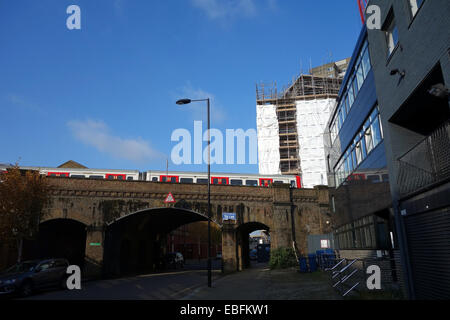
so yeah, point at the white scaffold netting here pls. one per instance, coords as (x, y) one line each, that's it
(268, 139)
(312, 117)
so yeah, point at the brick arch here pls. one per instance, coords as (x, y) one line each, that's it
(70, 216)
(203, 217)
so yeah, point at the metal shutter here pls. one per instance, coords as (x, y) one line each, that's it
(428, 237)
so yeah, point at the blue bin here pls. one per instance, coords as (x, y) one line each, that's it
(303, 264)
(329, 258)
(312, 262)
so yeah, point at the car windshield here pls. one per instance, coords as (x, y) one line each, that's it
(21, 267)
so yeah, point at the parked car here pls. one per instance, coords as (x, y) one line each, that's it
(219, 256)
(25, 277)
(174, 260)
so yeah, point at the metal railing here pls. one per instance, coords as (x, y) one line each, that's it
(339, 277)
(349, 275)
(426, 163)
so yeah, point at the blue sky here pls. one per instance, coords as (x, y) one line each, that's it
(105, 95)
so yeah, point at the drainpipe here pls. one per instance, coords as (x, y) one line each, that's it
(403, 247)
(294, 241)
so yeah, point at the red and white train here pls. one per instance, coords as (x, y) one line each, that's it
(234, 179)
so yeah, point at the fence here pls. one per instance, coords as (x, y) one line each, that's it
(427, 163)
(350, 275)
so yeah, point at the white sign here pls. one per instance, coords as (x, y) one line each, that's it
(170, 198)
(324, 244)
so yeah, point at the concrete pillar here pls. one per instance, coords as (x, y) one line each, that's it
(93, 257)
(229, 247)
(281, 231)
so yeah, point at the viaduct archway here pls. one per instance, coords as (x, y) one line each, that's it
(125, 220)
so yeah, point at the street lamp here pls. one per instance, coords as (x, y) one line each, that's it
(187, 101)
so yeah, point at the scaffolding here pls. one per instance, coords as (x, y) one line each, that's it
(304, 87)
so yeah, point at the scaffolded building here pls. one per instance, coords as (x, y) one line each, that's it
(291, 123)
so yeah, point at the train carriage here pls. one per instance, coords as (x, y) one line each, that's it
(234, 179)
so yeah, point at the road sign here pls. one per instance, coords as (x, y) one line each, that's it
(95, 244)
(170, 198)
(228, 216)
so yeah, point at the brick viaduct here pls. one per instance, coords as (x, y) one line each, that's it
(115, 211)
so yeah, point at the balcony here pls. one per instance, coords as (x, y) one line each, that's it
(427, 164)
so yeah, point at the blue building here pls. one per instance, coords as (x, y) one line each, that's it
(361, 203)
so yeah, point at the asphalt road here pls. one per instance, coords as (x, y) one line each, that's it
(169, 285)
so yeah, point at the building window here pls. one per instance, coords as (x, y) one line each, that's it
(391, 32)
(415, 6)
(377, 134)
(366, 62)
(356, 80)
(351, 96)
(364, 142)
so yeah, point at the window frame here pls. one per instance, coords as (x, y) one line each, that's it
(390, 29)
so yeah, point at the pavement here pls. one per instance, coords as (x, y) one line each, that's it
(171, 285)
(261, 283)
(256, 283)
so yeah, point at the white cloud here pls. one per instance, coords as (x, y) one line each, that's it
(22, 102)
(97, 135)
(225, 9)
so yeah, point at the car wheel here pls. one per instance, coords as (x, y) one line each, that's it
(26, 289)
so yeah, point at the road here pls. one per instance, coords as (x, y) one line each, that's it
(256, 283)
(170, 285)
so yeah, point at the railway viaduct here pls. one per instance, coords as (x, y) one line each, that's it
(123, 221)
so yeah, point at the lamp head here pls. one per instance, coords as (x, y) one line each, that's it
(395, 71)
(183, 101)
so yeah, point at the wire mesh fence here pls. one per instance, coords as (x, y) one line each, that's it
(427, 163)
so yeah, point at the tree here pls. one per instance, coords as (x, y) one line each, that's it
(23, 195)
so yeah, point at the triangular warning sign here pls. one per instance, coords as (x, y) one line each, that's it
(170, 198)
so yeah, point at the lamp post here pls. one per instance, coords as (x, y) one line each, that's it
(187, 101)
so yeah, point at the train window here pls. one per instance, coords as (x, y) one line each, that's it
(171, 179)
(219, 180)
(202, 181)
(252, 183)
(77, 176)
(130, 178)
(236, 182)
(95, 177)
(186, 180)
(385, 177)
(265, 182)
(115, 176)
(278, 182)
(373, 178)
(292, 183)
(58, 174)
(155, 179)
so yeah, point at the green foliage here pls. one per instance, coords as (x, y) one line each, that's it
(282, 258)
